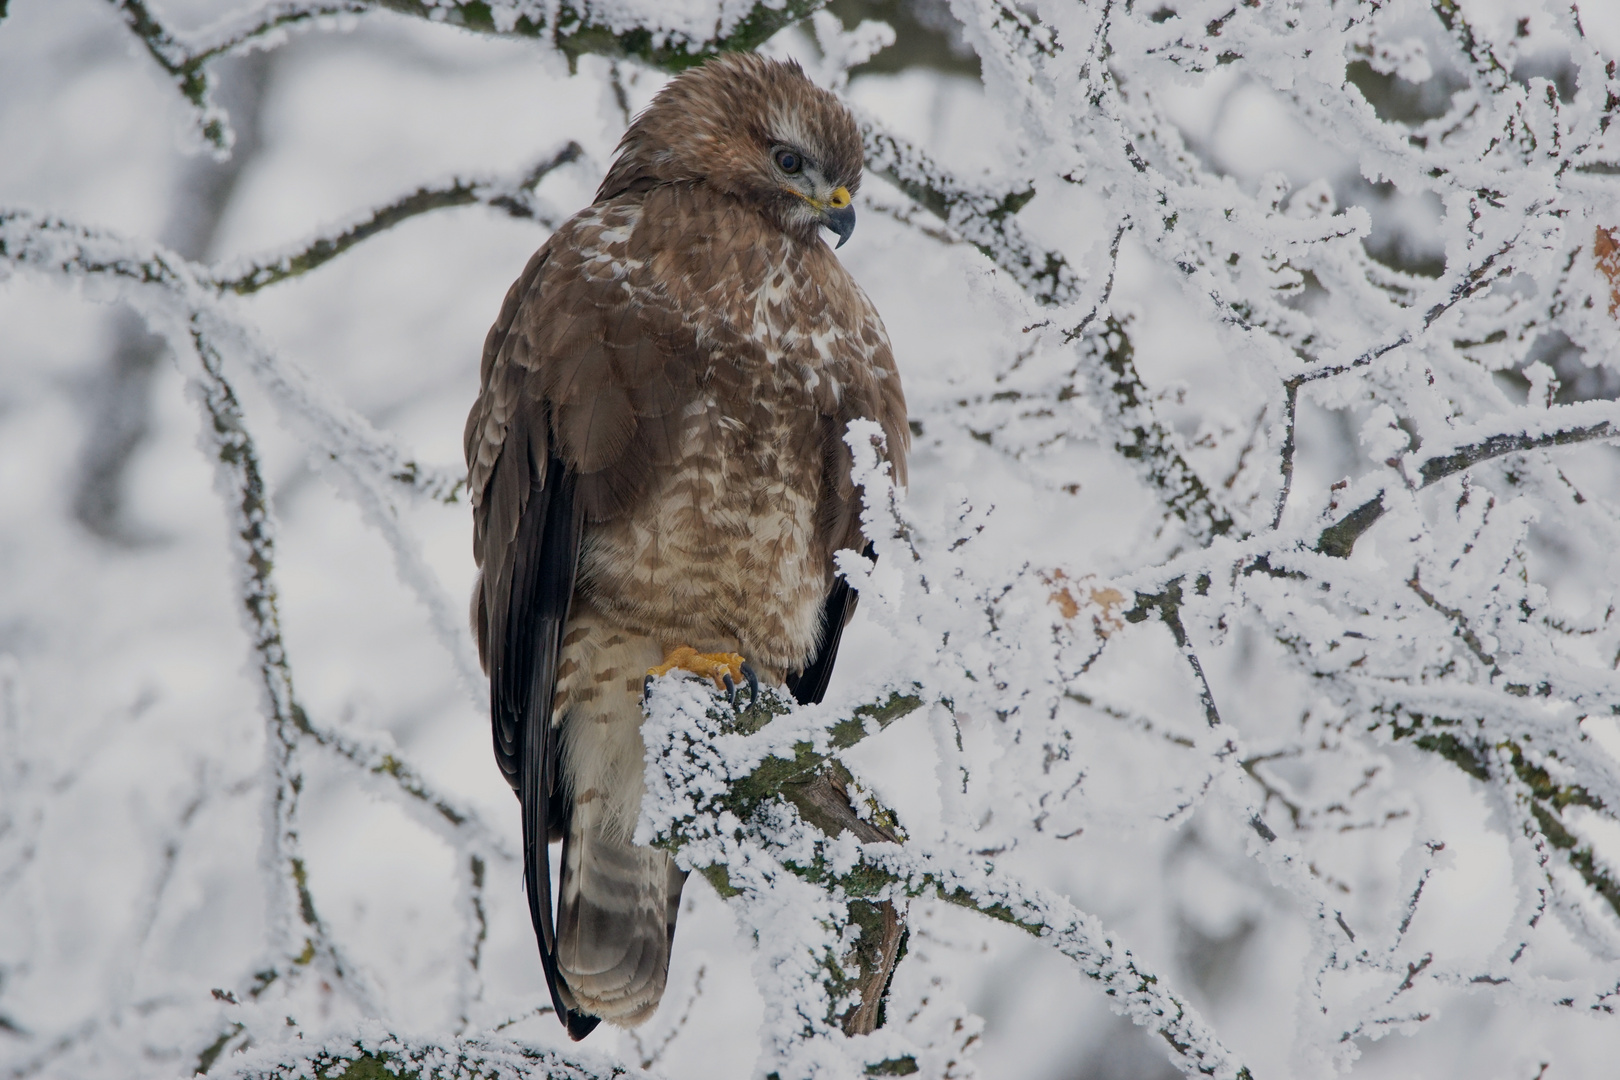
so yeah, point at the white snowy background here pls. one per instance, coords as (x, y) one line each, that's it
(1276, 227)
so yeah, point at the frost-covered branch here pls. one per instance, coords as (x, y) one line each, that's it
(1185, 315)
(575, 29)
(287, 878)
(984, 217)
(1141, 994)
(180, 300)
(376, 1051)
(1144, 440)
(515, 198)
(1562, 425)
(719, 784)
(581, 29)
(186, 291)
(185, 57)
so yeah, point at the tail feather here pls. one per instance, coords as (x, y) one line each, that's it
(616, 913)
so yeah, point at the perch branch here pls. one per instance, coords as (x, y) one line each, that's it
(726, 767)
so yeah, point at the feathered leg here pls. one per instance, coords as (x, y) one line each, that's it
(617, 902)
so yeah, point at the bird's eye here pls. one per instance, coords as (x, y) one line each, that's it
(788, 161)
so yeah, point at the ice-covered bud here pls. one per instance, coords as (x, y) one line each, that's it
(1407, 59)
(845, 49)
(1543, 385)
(1314, 200)
(1274, 188)
(1383, 436)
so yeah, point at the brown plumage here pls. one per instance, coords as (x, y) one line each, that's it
(656, 459)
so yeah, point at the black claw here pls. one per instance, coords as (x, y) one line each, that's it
(731, 690)
(753, 684)
(646, 688)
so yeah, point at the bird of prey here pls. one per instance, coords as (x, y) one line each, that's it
(659, 480)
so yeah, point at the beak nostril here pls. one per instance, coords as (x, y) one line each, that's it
(839, 199)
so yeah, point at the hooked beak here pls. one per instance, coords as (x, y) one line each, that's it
(838, 214)
(840, 221)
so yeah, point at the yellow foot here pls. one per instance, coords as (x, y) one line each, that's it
(725, 668)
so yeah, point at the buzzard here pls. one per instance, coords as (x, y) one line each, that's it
(659, 480)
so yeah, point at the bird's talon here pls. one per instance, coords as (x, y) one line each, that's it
(753, 684)
(724, 669)
(646, 687)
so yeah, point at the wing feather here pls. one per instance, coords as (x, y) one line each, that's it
(873, 393)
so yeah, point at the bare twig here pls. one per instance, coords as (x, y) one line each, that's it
(649, 1058)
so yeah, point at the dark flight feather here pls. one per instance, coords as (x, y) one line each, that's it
(810, 685)
(546, 557)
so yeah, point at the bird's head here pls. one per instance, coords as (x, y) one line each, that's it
(756, 129)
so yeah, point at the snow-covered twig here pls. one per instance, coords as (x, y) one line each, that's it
(515, 197)
(185, 57)
(287, 879)
(185, 291)
(1562, 425)
(576, 29)
(984, 217)
(374, 1050)
(179, 298)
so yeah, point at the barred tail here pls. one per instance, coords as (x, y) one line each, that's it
(616, 910)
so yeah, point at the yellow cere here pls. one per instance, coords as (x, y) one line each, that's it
(839, 199)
